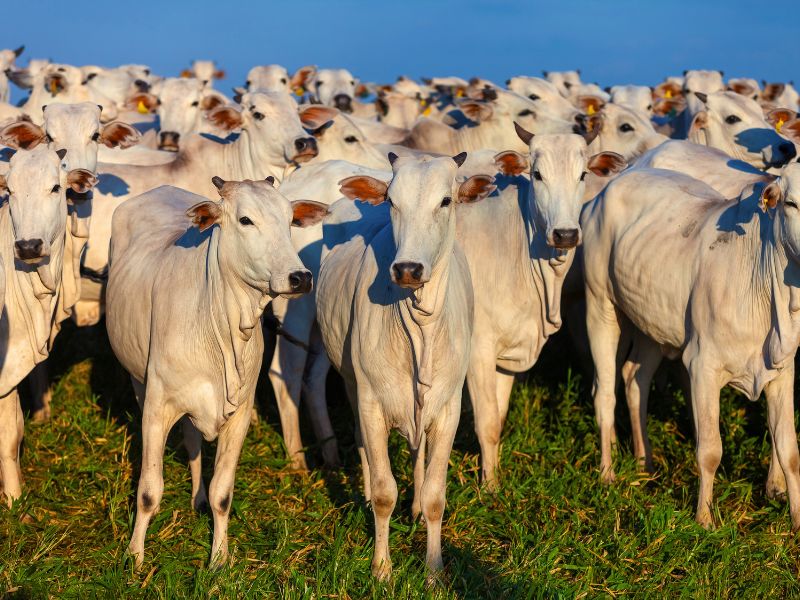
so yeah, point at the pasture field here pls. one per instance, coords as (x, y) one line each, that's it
(552, 530)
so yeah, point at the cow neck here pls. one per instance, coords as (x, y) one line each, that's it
(248, 159)
(420, 315)
(236, 310)
(32, 293)
(548, 268)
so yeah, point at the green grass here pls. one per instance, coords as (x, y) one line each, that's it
(552, 531)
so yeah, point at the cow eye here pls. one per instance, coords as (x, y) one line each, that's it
(649, 107)
(47, 138)
(732, 119)
(319, 83)
(96, 136)
(537, 176)
(626, 127)
(245, 221)
(583, 175)
(525, 113)
(247, 83)
(283, 80)
(258, 116)
(56, 189)
(534, 97)
(790, 203)
(351, 139)
(196, 103)
(446, 201)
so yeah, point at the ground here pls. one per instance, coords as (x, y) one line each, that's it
(551, 531)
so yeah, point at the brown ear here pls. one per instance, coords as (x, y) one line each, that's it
(699, 122)
(81, 180)
(143, 103)
(187, 73)
(476, 188)
(477, 111)
(205, 214)
(771, 195)
(316, 115)
(590, 104)
(605, 164)
(791, 130)
(772, 91)
(225, 117)
(22, 135)
(362, 91)
(511, 163)
(219, 74)
(664, 106)
(119, 135)
(3, 184)
(779, 116)
(668, 91)
(301, 76)
(742, 88)
(364, 188)
(592, 126)
(210, 102)
(307, 212)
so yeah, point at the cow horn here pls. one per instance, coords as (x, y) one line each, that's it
(218, 182)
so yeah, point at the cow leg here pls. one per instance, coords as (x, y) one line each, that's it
(418, 456)
(316, 399)
(229, 446)
(11, 431)
(156, 423)
(780, 410)
(375, 433)
(776, 482)
(286, 375)
(359, 440)
(637, 373)
(440, 442)
(193, 442)
(41, 393)
(604, 329)
(482, 384)
(705, 410)
(505, 383)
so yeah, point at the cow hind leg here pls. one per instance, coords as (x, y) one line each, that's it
(286, 375)
(316, 399)
(482, 385)
(780, 411)
(418, 457)
(193, 442)
(41, 393)
(229, 448)
(776, 481)
(637, 373)
(11, 432)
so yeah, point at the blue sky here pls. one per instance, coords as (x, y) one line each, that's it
(611, 42)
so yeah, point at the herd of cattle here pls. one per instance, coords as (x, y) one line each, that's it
(166, 205)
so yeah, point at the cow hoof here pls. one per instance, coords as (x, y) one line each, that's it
(608, 477)
(705, 521)
(41, 415)
(298, 464)
(201, 504)
(219, 562)
(330, 456)
(382, 571)
(436, 581)
(138, 558)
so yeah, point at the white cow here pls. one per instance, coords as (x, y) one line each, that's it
(198, 274)
(544, 93)
(204, 70)
(725, 301)
(780, 95)
(635, 97)
(7, 58)
(63, 84)
(34, 236)
(392, 297)
(564, 80)
(275, 78)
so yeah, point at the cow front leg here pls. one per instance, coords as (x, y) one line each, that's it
(11, 432)
(316, 400)
(193, 442)
(286, 375)
(780, 411)
(481, 376)
(41, 393)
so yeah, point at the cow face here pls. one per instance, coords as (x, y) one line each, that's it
(181, 105)
(736, 125)
(558, 165)
(635, 97)
(705, 82)
(333, 87)
(624, 131)
(206, 71)
(268, 78)
(544, 95)
(784, 193)
(422, 196)
(254, 243)
(338, 138)
(564, 81)
(36, 185)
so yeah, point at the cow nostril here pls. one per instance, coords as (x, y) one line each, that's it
(300, 281)
(305, 145)
(300, 144)
(28, 249)
(787, 149)
(408, 271)
(565, 238)
(577, 129)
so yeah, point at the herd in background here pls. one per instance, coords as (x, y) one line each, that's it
(439, 221)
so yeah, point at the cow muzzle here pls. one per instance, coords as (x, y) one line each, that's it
(343, 102)
(29, 251)
(408, 274)
(169, 141)
(565, 238)
(306, 148)
(293, 284)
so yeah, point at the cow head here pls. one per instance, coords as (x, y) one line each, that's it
(338, 138)
(558, 164)
(268, 78)
(204, 70)
(564, 81)
(544, 95)
(333, 87)
(784, 194)
(635, 97)
(422, 196)
(254, 237)
(736, 125)
(625, 131)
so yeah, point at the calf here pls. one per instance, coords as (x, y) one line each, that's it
(199, 273)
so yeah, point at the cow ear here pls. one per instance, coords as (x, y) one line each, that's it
(791, 130)
(186, 73)
(3, 184)
(667, 90)
(606, 164)
(317, 115)
(307, 212)
(476, 111)
(143, 102)
(476, 188)
(662, 107)
(362, 91)
(225, 117)
(511, 162)
(219, 74)
(210, 102)
(523, 134)
(301, 77)
(119, 135)
(591, 127)
(364, 188)
(22, 135)
(771, 195)
(205, 214)
(742, 88)
(81, 180)
(590, 104)
(772, 90)
(699, 122)
(459, 158)
(779, 116)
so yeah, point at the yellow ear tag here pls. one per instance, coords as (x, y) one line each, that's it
(426, 112)
(668, 94)
(459, 93)
(299, 91)
(779, 124)
(141, 108)
(590, 110)
(53, 87)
